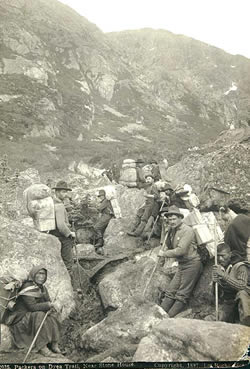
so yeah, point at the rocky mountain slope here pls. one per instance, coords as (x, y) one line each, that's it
(70, 92)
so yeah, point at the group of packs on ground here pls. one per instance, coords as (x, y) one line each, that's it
(188, 239)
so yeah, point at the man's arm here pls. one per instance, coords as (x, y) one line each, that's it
(182, 247)
(238, 283)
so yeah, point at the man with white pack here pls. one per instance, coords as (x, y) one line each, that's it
(62, 231)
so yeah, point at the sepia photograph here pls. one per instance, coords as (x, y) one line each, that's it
(124, 184)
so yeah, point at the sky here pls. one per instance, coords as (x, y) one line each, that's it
(221, 23)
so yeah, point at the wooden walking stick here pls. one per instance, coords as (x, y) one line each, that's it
(77, 260)
(38, 331)
(153, 271)
(216, 283)
(35, 338)
(152, 230)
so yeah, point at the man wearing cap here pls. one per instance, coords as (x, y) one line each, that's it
(106, 214)
(62, 231)
(150, 207)
(232, 278)
(140, 179)
(180, 244)
(155, 170)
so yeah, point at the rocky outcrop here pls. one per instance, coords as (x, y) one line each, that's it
(22, 247)
(218, 172)
(193, 340)
(122, 328)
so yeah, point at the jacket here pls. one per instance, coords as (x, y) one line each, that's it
(105, 207)
(62, 222)
(184, 245)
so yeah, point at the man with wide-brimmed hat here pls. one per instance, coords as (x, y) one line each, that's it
(180, 244)
(140, 178)
(106, 214)
(62, 231)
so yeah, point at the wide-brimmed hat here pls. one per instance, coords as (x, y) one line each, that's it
(168, 187)
(139, 161)
(163, 210)
(101, 193)
(173, 210)
(62, 185)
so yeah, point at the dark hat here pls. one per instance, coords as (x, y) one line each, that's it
(153, 161)
(140, 161)
(149, 175)
(62, 185)
(168, 187)
(163, 210)
(222, 246)
(173, 210)
(101, 193)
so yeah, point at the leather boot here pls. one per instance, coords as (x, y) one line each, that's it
(167, 303)
(139, 229)
(176, 308)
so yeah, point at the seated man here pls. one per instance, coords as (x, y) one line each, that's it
(232, 280)
(181, 244)
(106, 213)
(26, 316)
(150, 207)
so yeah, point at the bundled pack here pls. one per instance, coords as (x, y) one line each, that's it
(40, 206)
(128, 174)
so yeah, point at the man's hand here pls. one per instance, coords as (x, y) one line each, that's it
(217, 273)
(73, 235)
(161, 254)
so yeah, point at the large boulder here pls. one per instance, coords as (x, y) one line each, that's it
(193, 340)
(133, 278)
(23, 247)
(124, 327)
(218, 172)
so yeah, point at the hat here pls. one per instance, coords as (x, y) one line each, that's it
(173, 210)
(168, 187)
(101, 193)
(153, 161)
(222, 246)
(163, 210)
(62, 185)
(140, 161)
(149, 175)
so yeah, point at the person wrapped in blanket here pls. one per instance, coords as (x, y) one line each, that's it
(26, 316)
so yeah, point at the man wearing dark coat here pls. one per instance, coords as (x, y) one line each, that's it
(24, 320)
(237, 234)
(106, 213)
(232, 279)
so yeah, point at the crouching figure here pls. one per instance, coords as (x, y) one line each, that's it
(234, 291)
(28, 313)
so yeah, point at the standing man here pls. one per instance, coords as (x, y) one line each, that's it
(232, 279)
(155, 170)
(62, 231)
(106, 213)
(181, 244)
(140, 178)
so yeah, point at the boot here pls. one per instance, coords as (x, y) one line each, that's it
(55, 348)
(176, 308)
(46, 352)
(167, 303)
(139, 229)
(134, 225)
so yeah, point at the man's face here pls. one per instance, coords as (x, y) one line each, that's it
(174, 221)
(101, 198)
(224, 258)
(62, 194)
(149, 179)
(40, 276)
(225, 216)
